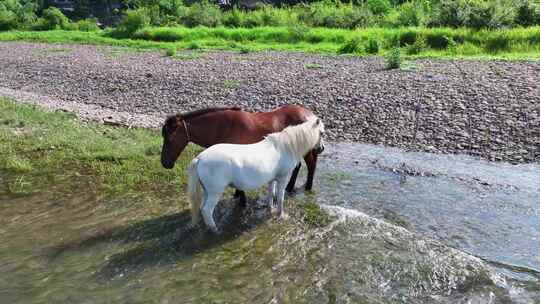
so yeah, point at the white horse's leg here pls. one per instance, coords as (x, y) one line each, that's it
(281, 185)
(207, 210)
(271, 193)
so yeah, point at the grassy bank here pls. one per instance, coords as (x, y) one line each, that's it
(35, 142)
(519, 43)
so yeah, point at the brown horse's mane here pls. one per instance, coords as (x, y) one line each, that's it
(196, 113)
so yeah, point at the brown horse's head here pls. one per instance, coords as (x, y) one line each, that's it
(175, 139)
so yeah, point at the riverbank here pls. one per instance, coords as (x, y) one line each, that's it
(483, 108)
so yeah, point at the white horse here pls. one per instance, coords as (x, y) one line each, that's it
(247, 167)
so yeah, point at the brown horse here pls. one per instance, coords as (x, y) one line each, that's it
(212, 126)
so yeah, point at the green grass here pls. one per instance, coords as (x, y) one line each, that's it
(231, 83)
(38, 142)
(312, 214)
(519, 43)
(313, 66)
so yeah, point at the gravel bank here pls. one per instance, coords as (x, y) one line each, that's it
(485, 108)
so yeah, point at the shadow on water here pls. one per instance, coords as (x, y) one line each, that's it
(166, 239)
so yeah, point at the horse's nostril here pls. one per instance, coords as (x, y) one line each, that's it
(167, 164)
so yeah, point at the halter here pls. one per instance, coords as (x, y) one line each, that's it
(187, 131)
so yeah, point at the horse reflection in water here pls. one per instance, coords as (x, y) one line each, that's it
(212, 126)
(246, 167)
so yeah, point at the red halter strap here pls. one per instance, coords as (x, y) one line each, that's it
(187, 131)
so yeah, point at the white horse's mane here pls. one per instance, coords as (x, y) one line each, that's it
(299, 139)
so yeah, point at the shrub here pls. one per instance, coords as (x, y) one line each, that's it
(193, 46)
(335, 15)
(372, 46)
(245, 50)
(132, 21)
(393, 59)
(350, 47)
(268, 16)
(527, 14)
(379, 7)
(409, 14)
(298, 33)
(449, 13)
(497, 43)
(17, 14)
(475, 14)
(479, 15)
(52, 19)
(203, 13)
(86, 25)
(8, 20)
(232, 18)
(171, 52)
(438, 41)
(417, 47)
(407, 37)
(392, 41)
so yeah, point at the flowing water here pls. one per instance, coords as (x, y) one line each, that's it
(406, 228)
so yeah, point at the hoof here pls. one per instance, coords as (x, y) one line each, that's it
(214, 230)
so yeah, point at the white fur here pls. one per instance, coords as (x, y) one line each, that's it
(247, 167)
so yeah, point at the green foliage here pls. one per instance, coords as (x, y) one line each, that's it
(407, 37)
(409, 14)
(476, 14)
(417, 47)
(379, 7)
(17, 14)
(8, 20)
(297, 33)
(233, 18)
(171, 51)
(393, 58)
(313, 215)
(527, 14)
(132, 21)
(438, 40)
(350, 47)
(245, 50)
(86, 25)
(372, 46)
(338, 15)
(497, 43)
(523, 43)
(52, 19)
(193, 46)
(202, 13)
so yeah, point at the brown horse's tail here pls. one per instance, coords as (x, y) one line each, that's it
(195, 191)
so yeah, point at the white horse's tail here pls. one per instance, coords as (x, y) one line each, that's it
(195, 191)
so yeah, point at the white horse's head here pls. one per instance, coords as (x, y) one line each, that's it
(319, 126)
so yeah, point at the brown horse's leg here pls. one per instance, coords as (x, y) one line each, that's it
(292, 181)
(311, 162)
(241, 195)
